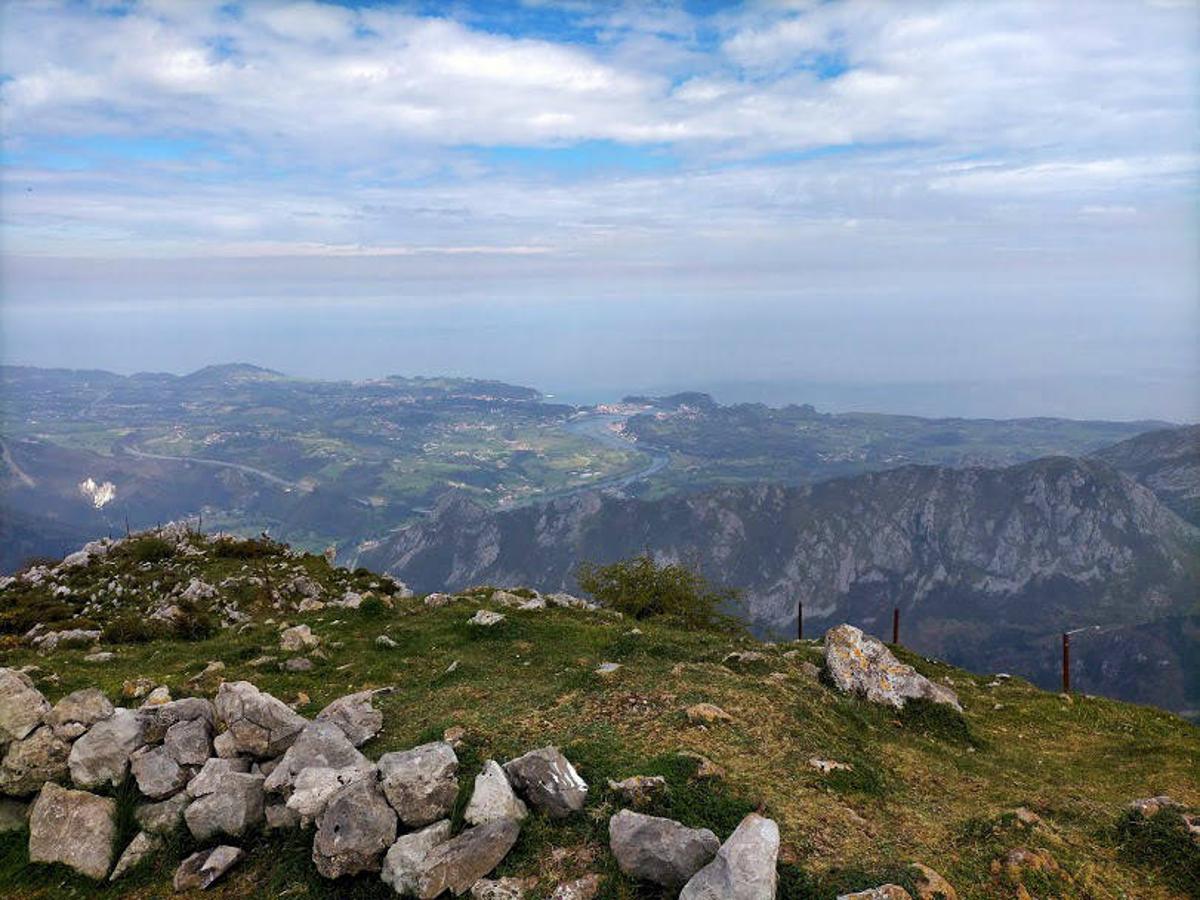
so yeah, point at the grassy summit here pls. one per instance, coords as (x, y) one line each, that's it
(925, 785)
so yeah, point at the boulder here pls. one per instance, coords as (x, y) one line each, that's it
(296, 638)
(493, 797)
(209, 777)
(355, 715)
(883, 892)
(659, 850)
(404, 859)
(421, 784)
(355, 829)
(202, 869)
(102, 755)
(77, 712)
(486, 618)
(142, 846)
(163, 817)
(189, 743)
(744, 867)
(548, 782)
(639, 790)
(156, 773)
(74, 828)
(1148, 807)
(30, 763)
(458, 863)
(14, 815)
(260, 725)
(320, 745)
(860, 664)
(22, 706)
(314, 786)
(233, 807)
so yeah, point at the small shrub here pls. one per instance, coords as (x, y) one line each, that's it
(248, 548)
(148, 548)
(1162, 843)
(131, 628)
(373, 608)
(643, 589)
(195, 623)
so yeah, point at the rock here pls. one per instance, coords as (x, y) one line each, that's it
(320, 745)
(707, 714)
(297, 664)
(608, 668)
(164, 817)
(355, 715)
(142, 846)
(314, 786)
(932, 886)
(403, 862)
(639, 789)
(74, 828)
(208, 779)
(420, 784)
(102, 755)
(71, 637)
(260, 724)
(860, 664)
(705, 767)
(455, 736)
(825, 766)
(30, 763)
(744, 659)
(189, 743)
(14, 815)
(233, 807)
(201, 870)
(158, 696)
(22, 706)
(214, 667)
(744, 868)
(159, 719)
(157, 774)
(1148, 807)
(659, 850)
(585, 888)
(309, 605)
(353, 832)
(298, 637)
(1027, 816)
(883, 892)
(493, 797)
(280, 818)
(458, 863)
(136, 689)
(486, 618)
(548, 782)
(77, 712)
(349, 600)
(809, 670)
(386, 642)
(502, 888)
(436, 600)
(225, 745)
(100, 656)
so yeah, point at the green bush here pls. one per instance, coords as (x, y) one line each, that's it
(149, 548)
(373, 608)
(132, 628)
(1162, 843)
(641, 588)
(249, 548)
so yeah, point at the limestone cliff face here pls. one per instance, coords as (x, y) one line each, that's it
(1168, 462)
(985, 564)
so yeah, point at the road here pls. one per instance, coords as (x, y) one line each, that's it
(219, 463)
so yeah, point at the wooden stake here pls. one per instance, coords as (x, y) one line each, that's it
(1066, 663)
(799, 620)
(896, 625)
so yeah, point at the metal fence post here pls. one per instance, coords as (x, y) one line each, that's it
(1066, 662)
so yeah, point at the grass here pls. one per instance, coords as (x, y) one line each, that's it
(926, 785)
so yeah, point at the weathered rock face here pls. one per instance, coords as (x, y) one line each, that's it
(157, 774)
(77, 712)
(160, 718)
(744, 867)
(314, 786)
(354, 714)
(299, 637)
(548, 782)
(860, 664)
(502, 888)
(659, 850)
(421, 783)
(585, 888)
(493, 797)
(355, 829)
(404, 859)
(142, 846)
(233, 807)
(260, 725)
(208, 779)
(319, 745)
(461, 861)
(22, 706)
(189, 743)
(74, 828)
(102, 755)
(164, 817)
(29, 763)
(202, 869)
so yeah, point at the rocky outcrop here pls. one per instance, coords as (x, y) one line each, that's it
(548, 782)
(860, 664)
(659, 850)
(74, 828)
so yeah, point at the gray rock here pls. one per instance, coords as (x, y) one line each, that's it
(493, 797)
(232, 808)
(225, 746)
(30, 763)
(319, 745)
(209, 777)
(142, 846)
(164, 817)
(280, 818)
(14, 815)
(202, 869)
(860, 664)
(22, 706)
(584, 888)
(156, 773)
(355, 715)
(548, 782)
(189, 743)
(77, 712)
(74, 828)
(402, 865)
(355, 829)
(260, 725)
(639, 789)
(161, 717)
(102, 755)
(659, 850)
(502, 888)
(420, 784)
(485, 618)
(883, 892)
(315, 785)
(744, 868)
(297, 664)
(298, 637)
(461, 861)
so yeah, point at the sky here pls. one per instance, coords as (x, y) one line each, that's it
(945, 208)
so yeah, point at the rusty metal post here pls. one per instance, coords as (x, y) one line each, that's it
(799, 620)
(1066, 663)
(896, 625)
